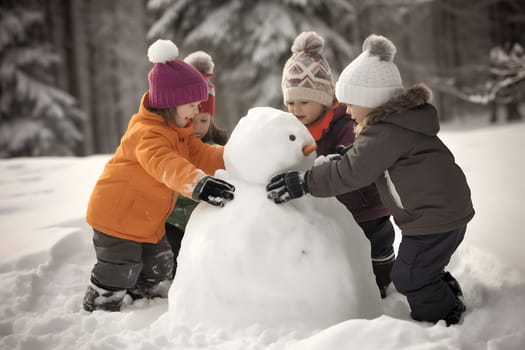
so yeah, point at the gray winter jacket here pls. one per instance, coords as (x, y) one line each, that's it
(415, 173)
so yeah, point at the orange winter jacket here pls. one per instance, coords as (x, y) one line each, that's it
(139, 185)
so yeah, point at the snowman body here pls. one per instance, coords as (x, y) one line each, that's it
(305, 262)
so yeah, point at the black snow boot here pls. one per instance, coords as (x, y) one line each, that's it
(382, 271)
(452, 283)
(97, 298)
(454, 316)
(150, 288)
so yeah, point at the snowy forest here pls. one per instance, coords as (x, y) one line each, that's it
(72, 72)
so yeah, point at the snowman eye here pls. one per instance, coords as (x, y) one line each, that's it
(292, 137)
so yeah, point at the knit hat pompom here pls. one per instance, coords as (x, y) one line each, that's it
(162, 51)
(202, 61)
(378, 45)
(309, 42)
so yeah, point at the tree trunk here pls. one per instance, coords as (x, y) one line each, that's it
(513, 112)
(131, 60)
(493, 112)
(77, 54)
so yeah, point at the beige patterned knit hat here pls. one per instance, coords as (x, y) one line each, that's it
(307, 74)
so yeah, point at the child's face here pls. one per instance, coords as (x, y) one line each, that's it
(306, 111)
(185, 113)
(357, 113)
(201, 124)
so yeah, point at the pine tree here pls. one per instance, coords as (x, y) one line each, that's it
(36, 118)
(250, 42)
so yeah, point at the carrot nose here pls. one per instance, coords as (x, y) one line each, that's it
(309, 149)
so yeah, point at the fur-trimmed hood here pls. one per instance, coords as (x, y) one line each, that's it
(410, 110)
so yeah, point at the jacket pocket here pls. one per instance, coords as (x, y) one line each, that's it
(145, 213)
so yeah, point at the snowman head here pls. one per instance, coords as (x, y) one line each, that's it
(267, 141)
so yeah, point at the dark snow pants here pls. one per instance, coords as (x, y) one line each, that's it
(121, 262)
(417, 273)
(380, 233)
(174, 236)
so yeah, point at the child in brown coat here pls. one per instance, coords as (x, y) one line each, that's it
(398, 149)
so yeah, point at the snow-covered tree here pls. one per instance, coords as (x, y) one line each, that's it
(36, 118)
(250, 41)
(504, 83)
(102, 45)
(477, 62)
(507, 85)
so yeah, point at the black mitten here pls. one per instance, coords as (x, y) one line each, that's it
(342, 149)
(213, 190)
(340, 153)
(287, 186)
(334, 157)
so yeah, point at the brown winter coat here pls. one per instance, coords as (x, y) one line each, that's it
(139, 185)
(415, 173)
(364, 204)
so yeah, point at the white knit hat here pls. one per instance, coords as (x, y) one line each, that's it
(372, 78)
(307, 74)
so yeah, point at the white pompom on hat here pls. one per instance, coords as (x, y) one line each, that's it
(162, 51)
(372, 78)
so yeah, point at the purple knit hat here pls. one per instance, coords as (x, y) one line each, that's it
(173, 82)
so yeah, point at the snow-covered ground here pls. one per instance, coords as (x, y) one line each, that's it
(46, 257)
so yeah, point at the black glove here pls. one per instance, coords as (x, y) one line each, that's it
(333, 156)
(213, 190)
(340, 153)
(287, 186)
(342, 149)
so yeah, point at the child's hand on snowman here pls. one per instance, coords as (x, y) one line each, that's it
(341, 151)
(213, 190)
(287, 186)
(328, 158)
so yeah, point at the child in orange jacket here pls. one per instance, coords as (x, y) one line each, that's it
(158, 158)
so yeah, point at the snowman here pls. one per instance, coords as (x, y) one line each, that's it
(305, 263)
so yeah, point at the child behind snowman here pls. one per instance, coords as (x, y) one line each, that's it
(308, 92)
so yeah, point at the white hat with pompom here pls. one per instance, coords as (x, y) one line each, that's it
(372, 78)
(307, 74)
